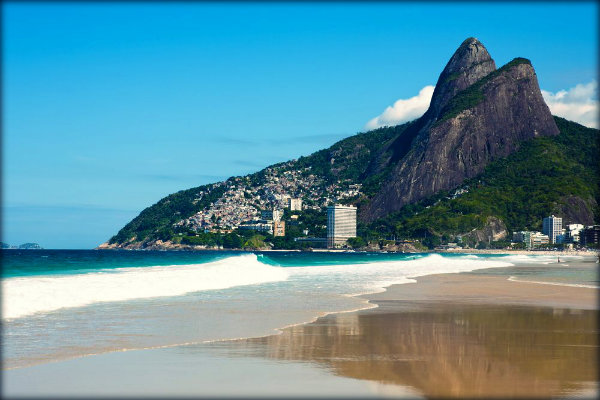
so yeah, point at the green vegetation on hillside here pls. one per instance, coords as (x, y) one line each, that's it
(346, 160)
(349, 158)
(312, 220)
(521, 189)
(156, 222)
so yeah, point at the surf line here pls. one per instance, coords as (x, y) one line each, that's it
(514, 279)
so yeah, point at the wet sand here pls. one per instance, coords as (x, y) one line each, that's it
(456, 336)
(482, 289)
(464, 335)
(581, 253)
(450, 350)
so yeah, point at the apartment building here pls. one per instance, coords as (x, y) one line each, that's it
(341, 225)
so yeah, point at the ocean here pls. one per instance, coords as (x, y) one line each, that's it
(62, 304)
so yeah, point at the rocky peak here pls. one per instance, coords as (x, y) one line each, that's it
(477, 115)
(470, 62)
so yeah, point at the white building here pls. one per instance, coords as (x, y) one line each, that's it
(538, 239)
(259, 226)
(271, 215)
(552, 226)
(573, 231)
(295, 204)
(531, 239)
(341, 225)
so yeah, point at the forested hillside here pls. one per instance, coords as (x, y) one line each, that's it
(546, 175)
(343, 164)
(487, 158)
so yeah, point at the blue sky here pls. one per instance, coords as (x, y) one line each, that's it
(109, 107)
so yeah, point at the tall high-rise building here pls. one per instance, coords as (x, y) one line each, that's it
(552, 226)
(295, 204)
(341, 225)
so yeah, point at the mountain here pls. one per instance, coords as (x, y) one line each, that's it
(24, 246)
(477, 115)
(486, 158)
(30, 246)
(547, 175)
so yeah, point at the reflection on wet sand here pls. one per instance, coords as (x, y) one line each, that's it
(451, 350)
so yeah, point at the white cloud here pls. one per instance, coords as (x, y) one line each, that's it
(579, 103)
(403, 110)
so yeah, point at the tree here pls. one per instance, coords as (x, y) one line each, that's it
(357, 242)
(232, 241)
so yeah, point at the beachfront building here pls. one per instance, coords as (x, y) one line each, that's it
(590, 235)
(295, 204)
(573, 232)
(519, 236)
(537, 239)
(260, 225)
(552, 226)
(341, 225)
(531, 239)
(278, 228)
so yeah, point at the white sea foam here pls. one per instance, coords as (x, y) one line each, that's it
(530, 259)
(515, 279)
(25, 296)
(29, 295)
(354, 279)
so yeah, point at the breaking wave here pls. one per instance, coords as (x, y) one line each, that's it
(24, 296)
(356, 279)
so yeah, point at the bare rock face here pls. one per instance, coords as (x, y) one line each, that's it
(576, 210)
(488, 114)
(494, 229)
(470, 62)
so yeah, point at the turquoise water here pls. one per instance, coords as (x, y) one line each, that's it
(58, 304)
(53, 262)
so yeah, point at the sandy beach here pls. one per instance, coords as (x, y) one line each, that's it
(456, 336)
(467, 335)
(478, 289)
(588, 254)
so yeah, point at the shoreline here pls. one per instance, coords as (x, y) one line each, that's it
(470, 288)
(496, 287)
(581, 253)
(477, 342)
(455, 288)
(481, 335)
(402, 325)
(588, 252)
